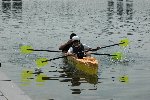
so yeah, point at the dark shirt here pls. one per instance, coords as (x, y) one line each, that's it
(79, 51)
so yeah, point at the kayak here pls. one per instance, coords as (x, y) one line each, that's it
(88, 65)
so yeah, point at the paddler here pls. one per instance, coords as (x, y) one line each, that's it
(78, 49)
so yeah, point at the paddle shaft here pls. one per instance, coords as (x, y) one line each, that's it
(103, 54)
(54, 58)
(44, 50)
(90, 50)
(112, 45)
(70, 55)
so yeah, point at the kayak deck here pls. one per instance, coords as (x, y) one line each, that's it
(88, 65)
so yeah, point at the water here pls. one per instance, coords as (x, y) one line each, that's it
(45, 24)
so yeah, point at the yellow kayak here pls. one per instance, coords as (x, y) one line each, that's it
(88, 65)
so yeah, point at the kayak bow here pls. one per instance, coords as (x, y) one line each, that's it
(88, 65)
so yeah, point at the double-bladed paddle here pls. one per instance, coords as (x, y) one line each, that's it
(40, 62)
(26, 49)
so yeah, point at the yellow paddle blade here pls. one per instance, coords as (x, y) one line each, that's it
(39, 78)
(118, 56)
(40, 63)
(25, 75)
(124, 79)
(24, 49)
(124, 42)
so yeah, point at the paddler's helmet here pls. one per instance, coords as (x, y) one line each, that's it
(75, 38)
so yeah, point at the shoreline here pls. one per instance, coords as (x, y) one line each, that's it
(9, 90)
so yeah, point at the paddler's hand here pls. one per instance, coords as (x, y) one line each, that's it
(94, 49)
(70, 54)
(98, 48)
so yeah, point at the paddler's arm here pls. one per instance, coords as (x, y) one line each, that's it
(88, 48)
(94, 49)
(70, 52)
(64, 45)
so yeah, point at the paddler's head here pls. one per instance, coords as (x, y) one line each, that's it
(76, 41)
(72, 35)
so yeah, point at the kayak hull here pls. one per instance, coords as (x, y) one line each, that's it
(88, 65)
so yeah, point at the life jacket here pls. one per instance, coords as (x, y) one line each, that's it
(79, 51)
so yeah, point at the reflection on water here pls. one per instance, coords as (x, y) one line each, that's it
(26, 75)
(120, 11)
(124, 79)
(12, 9)
(110, 10)
(124, 9)
(129, 9)
(6, 9)
(67, 74)
(17, 10)
(110, 15)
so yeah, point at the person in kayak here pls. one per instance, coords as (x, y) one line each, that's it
(65, 47)
(78, 49)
